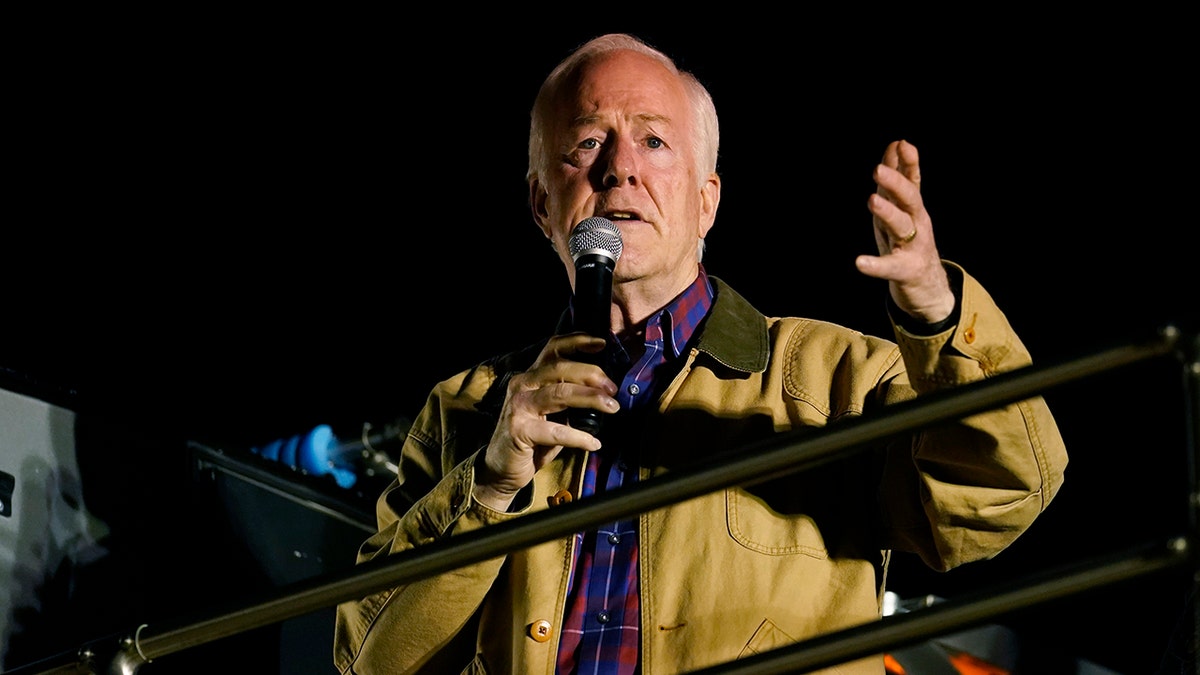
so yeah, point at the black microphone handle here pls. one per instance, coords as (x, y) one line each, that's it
(593, 305)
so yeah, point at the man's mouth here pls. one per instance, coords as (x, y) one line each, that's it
(617, 216)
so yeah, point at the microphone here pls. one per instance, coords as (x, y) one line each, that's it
(595, 246)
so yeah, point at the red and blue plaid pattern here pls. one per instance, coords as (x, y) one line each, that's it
(600, 628)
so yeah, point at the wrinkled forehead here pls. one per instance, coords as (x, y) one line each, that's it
(622, 83)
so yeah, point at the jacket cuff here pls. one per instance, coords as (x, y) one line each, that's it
(451, 508)
(917, 327)
(980, 342)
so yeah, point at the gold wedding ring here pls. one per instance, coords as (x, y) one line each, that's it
(909, 237)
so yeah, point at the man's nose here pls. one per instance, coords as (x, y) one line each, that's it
(621, 166)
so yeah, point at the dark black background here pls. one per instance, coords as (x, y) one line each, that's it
(232, 228)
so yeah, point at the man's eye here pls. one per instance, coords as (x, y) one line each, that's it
(654, 142)
(589, 144)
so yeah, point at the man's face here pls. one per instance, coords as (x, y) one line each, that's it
(621, 146)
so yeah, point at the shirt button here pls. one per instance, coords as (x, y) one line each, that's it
(560, 497)
(614, 539)
(634, 389)
(602, 616)
(540, 630)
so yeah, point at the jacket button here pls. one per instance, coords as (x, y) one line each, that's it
(560, 497)
(540, 630)
(969, 332)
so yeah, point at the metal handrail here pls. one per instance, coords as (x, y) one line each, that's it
(902, 630)
(782, 454)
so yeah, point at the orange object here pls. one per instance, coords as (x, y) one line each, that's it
(972, 665)
(892, 666)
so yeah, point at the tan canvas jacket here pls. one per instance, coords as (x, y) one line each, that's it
(743, 570)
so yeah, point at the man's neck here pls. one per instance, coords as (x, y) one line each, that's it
(635, 301)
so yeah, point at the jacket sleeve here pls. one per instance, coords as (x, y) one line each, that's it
(412, 627)
(963, 492)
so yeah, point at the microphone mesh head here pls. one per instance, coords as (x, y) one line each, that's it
(595, 235)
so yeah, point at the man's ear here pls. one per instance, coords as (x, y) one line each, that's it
(710, 199)
(537, 204)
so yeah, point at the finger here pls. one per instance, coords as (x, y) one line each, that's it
(560, 361)
(527, 404)
(564, 346)
(896, 225)
(909, 162)
(891, 155)
(898, 188)
(559, 396)
(879, 266)
(891, 160)
(557, 434)
(534, 422)
(543, 439)
(575, 373)
(539, 418)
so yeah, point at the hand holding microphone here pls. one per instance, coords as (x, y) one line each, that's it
(595, 246)
(523, 441)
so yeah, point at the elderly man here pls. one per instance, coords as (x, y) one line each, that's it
(689, 370)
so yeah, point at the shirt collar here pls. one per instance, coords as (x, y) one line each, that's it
(683, 315)
(679, 318)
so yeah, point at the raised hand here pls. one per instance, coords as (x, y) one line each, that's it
(908, 257)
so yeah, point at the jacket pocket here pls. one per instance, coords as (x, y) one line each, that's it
(476, 667)
(755, 525)
(766, 638)
(769, 637)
